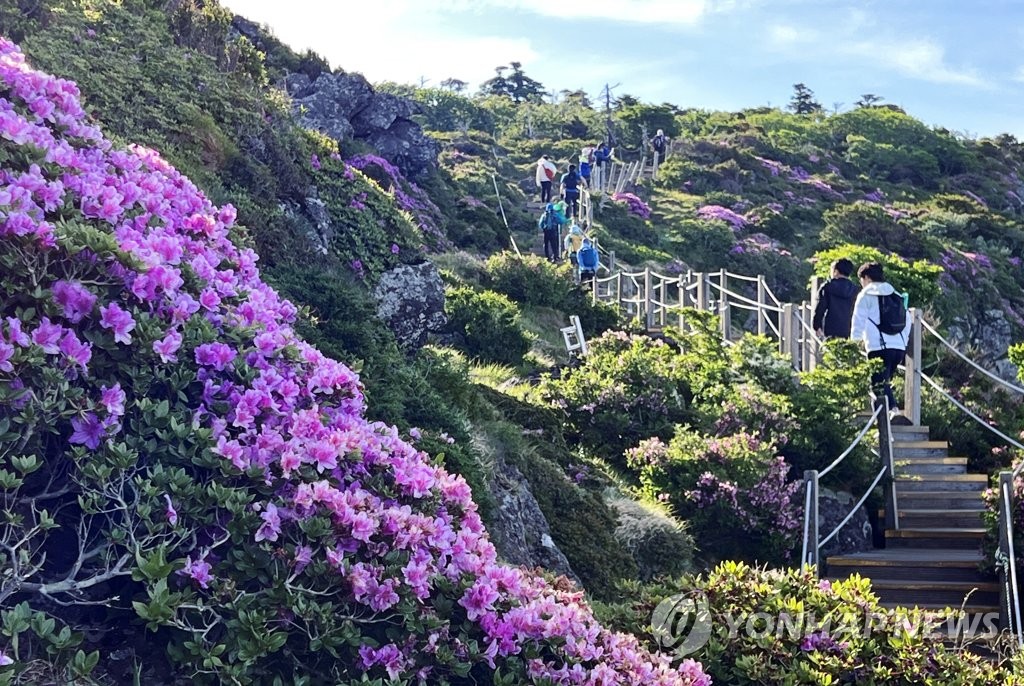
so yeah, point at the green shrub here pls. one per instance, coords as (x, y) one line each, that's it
(832, 632)
(488, 323)
(919, 278)
(627, 388)
(529, 279)
(659, 543)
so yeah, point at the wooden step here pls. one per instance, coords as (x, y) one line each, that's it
(936, 594)
(941, 519)
(902, 434)
(901, 449)
(941, 482)
(935, 537)
(931, 465)
(949, 500)
(941, 564)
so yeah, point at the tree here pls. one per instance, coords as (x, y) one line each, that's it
(516, 85)
(803, 101)
(869, 100)
(454, 85)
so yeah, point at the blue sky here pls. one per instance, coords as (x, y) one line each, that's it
(951, 63)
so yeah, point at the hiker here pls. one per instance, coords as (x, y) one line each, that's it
(571, 189)
(586, 161)
(573, 242)
(602, 160)
(588, 261)
(833, 314)
(562, 210)
(880, 320)
(546, 171)
(660, 145)
(551, 224)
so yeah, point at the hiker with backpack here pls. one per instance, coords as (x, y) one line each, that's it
(833, 315)
(550, 223)
(880, 320)
(571, 189)
(545, 174)
(573, 242)
(586, 162)
(660, 145)
(588, 261)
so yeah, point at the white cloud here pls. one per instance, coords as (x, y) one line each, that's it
(782, 36)
(672, 12)
(920, 59)
(393, 40)
(1018, 75)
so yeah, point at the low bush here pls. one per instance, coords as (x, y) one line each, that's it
(488, 323)
(659, 543)
(788, 627)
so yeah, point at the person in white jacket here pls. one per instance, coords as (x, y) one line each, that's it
(546, 171)
(889, 348)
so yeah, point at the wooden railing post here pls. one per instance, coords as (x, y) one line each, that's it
(702, 291)
(786, 342)
(892, 520)
(618, 291)
(681, 287)
(807, 339)
(648, 299)
(912, 363)
(724, 313)
(762, 297)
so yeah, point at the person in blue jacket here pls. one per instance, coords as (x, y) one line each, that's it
(588, 261)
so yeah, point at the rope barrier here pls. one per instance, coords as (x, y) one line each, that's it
(930, 329)
(856, 441)
(856, 507)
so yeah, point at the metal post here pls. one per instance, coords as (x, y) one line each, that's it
(892, 515)
(762, 296)
(1009, 601)
(618, 290)
(681, 285)
(912, 363)
(813, 551)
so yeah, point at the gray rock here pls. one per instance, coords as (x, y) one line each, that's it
(345, 106)
(520, 532)
(321, 238)
(985, 338)
(410, 300)
(856, 536)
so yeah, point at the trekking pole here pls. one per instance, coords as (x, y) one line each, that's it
(503, 217)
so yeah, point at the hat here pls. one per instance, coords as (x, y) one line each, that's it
(575, 228)
(660, 133)
(586, 241)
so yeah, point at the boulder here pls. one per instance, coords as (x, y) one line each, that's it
(985, 337)
(345, 107)
(856, 536)
(519, 531)
(410, 300)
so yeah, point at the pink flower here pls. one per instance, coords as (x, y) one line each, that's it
(5, 659)
(74, 298)
(171, 513)
(88, 431)
(113, 399)
(167, 346)
(113, 317)
(216, 355)
(198, 571)
(271, 524)
(6, 353)
(47, 336)
(74, 350)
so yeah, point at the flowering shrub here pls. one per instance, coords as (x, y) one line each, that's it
(408, 196)
(636, 206)
(212, 468)
(733, 491)
(830, 632)
(736, 221)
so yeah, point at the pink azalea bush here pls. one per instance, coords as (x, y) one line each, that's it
(634, 204)
(219, 472)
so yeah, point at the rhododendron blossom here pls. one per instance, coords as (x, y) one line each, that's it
(395, 529)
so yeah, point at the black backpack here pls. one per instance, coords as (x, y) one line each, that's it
(892, 314)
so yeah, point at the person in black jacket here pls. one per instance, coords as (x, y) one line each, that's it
(834, 311)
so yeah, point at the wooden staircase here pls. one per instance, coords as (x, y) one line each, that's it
(932, 560)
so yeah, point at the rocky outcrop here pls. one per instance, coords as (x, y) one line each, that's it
(987, 334)
(345, 106)
(410, 300)
(519, 531)
(833, 506)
